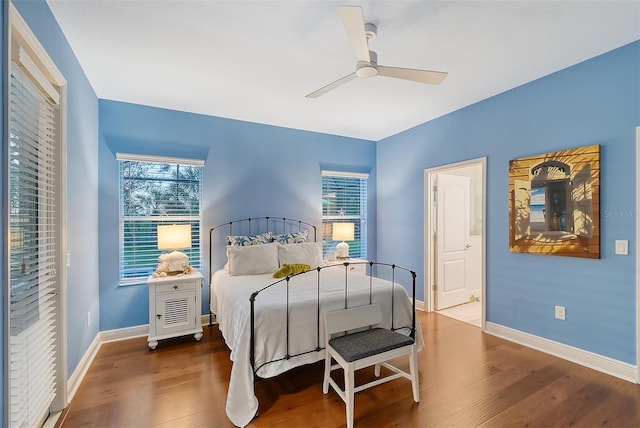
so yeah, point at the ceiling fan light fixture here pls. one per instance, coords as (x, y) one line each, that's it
(366, 71)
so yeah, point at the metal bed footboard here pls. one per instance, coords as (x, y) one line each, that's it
(285, 282)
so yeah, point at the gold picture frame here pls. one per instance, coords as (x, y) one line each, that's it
(554, 204)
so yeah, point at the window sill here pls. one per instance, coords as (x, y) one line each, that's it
(132, 281)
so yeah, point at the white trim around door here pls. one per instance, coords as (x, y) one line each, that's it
(430, 229)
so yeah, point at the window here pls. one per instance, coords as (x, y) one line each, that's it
(156, 191)
(344, 200)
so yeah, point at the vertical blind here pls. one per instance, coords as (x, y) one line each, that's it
(156, 191)
(33, 243)
(344, 199)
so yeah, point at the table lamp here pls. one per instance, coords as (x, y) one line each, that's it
(175, 237)
(343, 232)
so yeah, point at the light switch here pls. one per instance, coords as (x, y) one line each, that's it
(622, 247)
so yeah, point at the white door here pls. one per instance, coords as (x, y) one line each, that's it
(452, 237)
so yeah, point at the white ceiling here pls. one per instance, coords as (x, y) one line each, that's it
(256, 60)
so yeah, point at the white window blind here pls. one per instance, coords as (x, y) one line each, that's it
(156, 191)
(33, 243)
(344, 199)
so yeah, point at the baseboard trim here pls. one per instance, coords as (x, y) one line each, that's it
(137, 331)
(74, 381)
(420, 305)
(205, 319)
(124, 333)
(594, 361)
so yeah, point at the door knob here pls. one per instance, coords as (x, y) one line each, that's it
(467, 246)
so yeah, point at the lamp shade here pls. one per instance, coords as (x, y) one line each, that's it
(343, 231)
(174, 236)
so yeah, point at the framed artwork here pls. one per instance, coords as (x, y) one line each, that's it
(554, 204)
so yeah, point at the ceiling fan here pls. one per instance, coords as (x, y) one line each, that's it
(367, 65)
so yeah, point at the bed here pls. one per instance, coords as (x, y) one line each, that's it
(273, 325)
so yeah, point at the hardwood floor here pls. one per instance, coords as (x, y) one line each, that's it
(467, 379)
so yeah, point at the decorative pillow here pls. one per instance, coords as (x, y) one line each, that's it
(243, 240)
(309, 253)
(290, 270)
(253, 259)
(291, 238)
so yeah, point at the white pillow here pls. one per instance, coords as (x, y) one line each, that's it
(253, 259)
(309, 253)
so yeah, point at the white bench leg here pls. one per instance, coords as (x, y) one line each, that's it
(349, 386)
(413, 367)
(327, 373)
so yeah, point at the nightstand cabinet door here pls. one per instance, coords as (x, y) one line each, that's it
(174, 313)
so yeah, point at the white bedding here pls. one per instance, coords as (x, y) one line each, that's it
(230, 303)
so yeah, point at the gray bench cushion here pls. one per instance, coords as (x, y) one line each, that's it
(356, 346)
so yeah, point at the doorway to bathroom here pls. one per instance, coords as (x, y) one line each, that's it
(455, 207)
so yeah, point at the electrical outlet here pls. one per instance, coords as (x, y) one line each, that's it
(88, 319)
(561, 312)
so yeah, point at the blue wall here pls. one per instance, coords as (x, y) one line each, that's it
(251, 170)
(595, 102)
(82, 181)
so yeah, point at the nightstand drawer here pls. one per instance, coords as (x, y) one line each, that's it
(359, 268)
(175, 286)
(355, 265)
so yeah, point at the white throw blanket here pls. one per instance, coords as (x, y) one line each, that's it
(230, 303)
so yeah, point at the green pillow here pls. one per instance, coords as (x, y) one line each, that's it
(291, 269)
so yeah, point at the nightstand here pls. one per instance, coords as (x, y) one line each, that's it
(355, 265)
(174, 307)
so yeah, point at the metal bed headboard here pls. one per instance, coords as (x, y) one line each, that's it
(254, 226)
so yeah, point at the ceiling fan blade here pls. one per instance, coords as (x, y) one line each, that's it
(330, 86)
(353, 21)
(424, 76)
